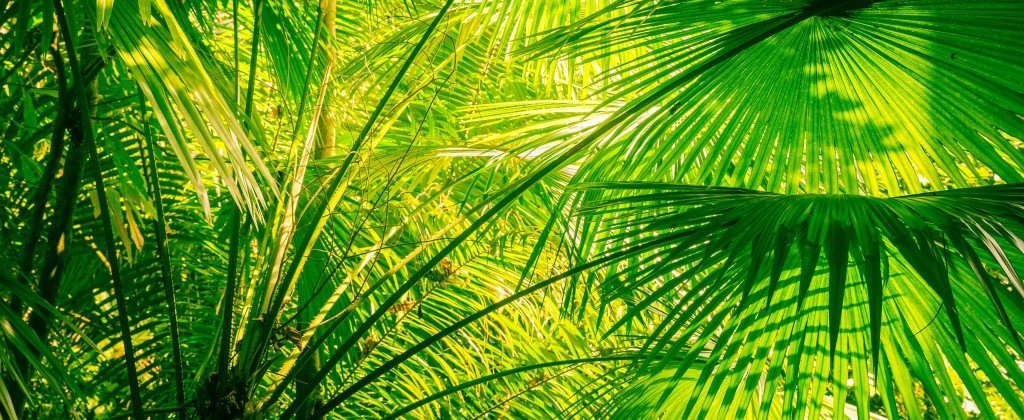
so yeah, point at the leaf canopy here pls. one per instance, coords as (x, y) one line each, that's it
(506, 208)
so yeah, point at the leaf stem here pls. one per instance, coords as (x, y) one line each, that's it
(160, 226)
(112, 258)
(224, 356)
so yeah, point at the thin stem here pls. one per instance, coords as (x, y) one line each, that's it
(224, 356)
(160, 227)
(234, 24)
(257, 22)
(108, 231)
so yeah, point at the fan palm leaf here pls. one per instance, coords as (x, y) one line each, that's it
(765, 264)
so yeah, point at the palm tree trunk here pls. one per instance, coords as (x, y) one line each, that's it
(59, 236)
(328, 134)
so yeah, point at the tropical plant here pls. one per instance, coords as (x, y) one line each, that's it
(507, 208)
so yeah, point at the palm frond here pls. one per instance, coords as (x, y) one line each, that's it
(849, 284)
(879, 97)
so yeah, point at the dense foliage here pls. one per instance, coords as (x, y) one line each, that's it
(511, 208)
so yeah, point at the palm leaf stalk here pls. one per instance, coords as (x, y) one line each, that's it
(82, 99)
(160, 228)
